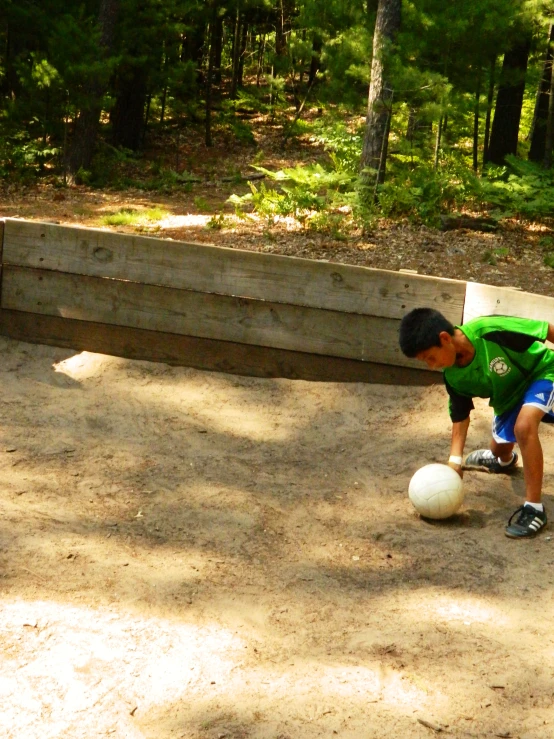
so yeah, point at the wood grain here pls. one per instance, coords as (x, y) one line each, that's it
(204, 354)
(241, 320)
(233, 272)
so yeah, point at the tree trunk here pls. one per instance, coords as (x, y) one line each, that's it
(476, 124)
(193, 48)
(379, 108)
(147, 114)
(411, 125)
(538, 129)
(284, 11)
(280, 30)
(243, 47)
(164, 100)
(507, 113)
(235, 54)
(86, 126)
(10, 83)
(261, 53)
(216, 45)
(490, 99)
(549, 135)
(317, 46)
(128, 113)
(438, 140)
(209, 76)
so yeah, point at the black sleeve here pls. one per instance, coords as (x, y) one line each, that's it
(511, 340)
(459, 406)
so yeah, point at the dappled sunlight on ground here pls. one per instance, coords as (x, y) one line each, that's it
(184, 221)
(62, 662)
(81, 365)
(199, 555)
(235, 410)
(456, 609)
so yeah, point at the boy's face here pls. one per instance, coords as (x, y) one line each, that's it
(439, 357)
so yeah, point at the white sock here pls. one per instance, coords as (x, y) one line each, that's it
(505, 464)
(536, 506)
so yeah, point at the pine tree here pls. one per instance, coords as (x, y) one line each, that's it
(540, 118)
(85, 128)
(507, 113)
(379, 108)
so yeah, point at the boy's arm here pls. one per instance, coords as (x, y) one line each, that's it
(460, 406)
(550, 334)
(459, 434)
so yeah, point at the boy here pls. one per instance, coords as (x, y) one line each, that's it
(503, 359)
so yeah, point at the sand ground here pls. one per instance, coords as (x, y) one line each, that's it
(204, 556)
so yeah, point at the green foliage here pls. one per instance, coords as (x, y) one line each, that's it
(419, 193)
(331, 224)
(289, 200)
(343, 144)
(24, 157)
(137, 218)
(242, 131)
(269, 203)
(239, 202)
(180, 84)
(422, 193)
(230, 117)
(202, 204)
(491, 256)
(275, 93)
(122, 168)
(521, 188)
(167, 180)
(302, 191)
(311, 177)
(42, 72)
(109, 167)
(345, 61)
(217, 222)
(54, 65)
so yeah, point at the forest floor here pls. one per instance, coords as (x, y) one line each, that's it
(194, 555)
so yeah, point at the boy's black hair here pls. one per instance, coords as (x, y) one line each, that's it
(420, 330)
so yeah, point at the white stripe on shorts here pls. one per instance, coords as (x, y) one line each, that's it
(546, 406)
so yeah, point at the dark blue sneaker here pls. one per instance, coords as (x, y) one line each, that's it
(529, 522)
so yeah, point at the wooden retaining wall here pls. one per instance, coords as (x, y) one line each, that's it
(216, 308)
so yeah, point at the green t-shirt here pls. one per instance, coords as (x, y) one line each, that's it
(509, 354)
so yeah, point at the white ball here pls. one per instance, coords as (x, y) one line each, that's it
(436, 491)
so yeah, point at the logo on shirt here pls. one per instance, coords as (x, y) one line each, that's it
(499, 366)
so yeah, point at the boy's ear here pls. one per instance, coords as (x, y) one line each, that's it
(445, 338)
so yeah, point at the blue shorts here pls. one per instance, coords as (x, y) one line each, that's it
(539, 394)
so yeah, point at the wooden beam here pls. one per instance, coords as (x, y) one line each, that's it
(235, 272)
(245, 321)
(2, 222)
(205, 354)
(489, 300)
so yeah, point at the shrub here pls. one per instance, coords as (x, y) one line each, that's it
(520, 188)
